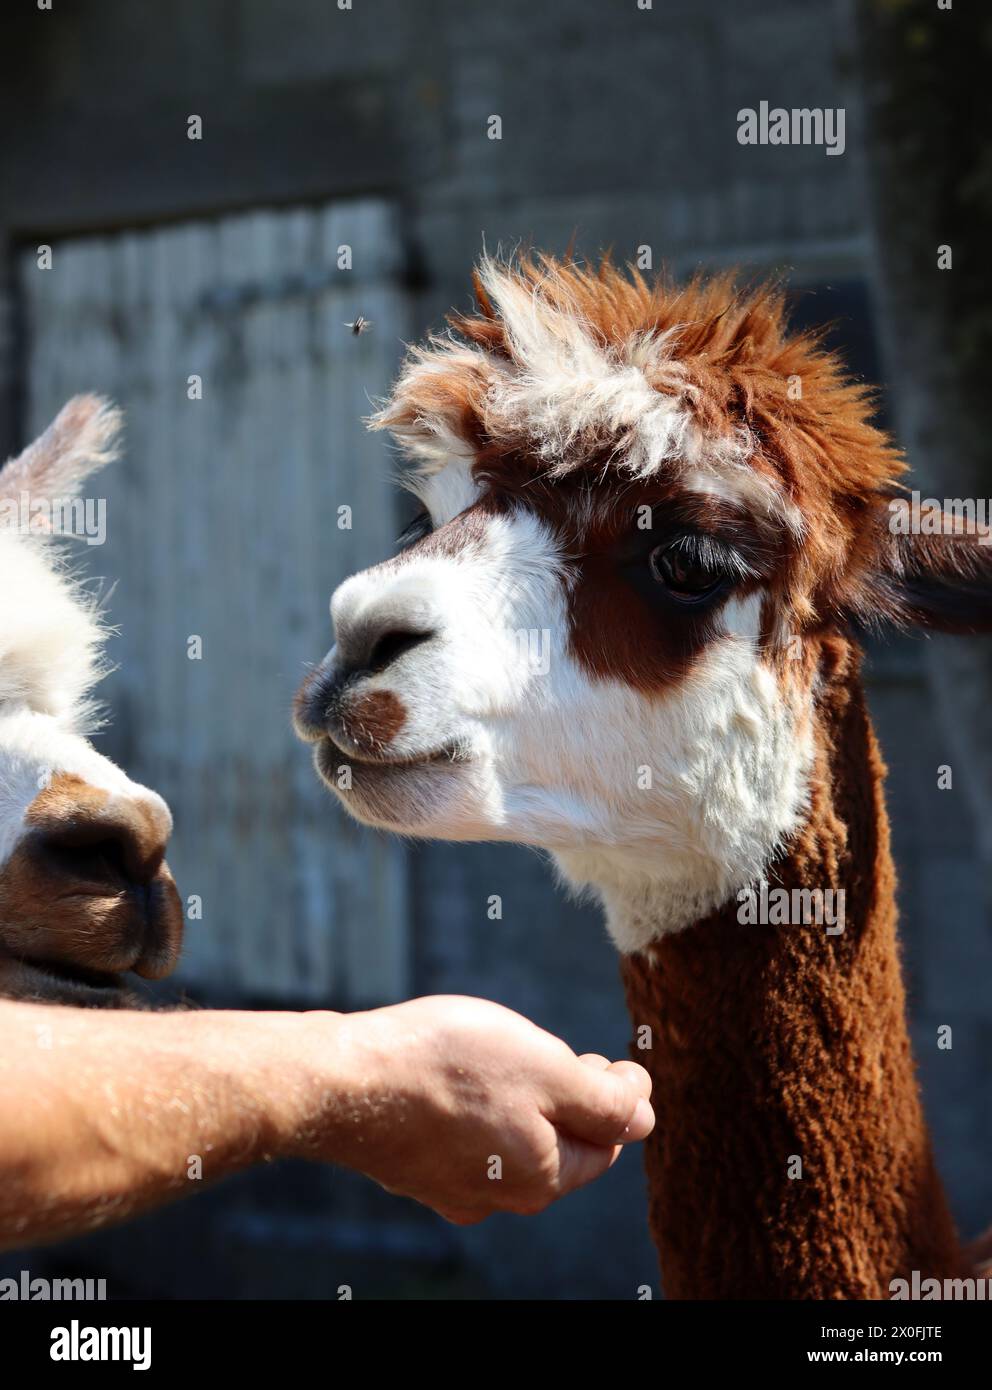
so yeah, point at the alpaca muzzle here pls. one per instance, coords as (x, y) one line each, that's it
(343, 701)
(87, 895)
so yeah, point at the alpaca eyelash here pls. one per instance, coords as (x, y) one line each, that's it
(415, 530)
(713, 555)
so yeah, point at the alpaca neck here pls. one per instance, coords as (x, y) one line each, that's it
(790, 1157)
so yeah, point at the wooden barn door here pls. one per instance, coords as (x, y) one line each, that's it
(226, 536)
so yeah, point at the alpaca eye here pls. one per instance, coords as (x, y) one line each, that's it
(686, 577)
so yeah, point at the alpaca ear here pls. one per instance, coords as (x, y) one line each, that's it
(935, 570)
(80, 440)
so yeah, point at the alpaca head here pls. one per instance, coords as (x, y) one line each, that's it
(84, 890)
(644, 510)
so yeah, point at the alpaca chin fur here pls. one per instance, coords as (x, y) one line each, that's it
(716, 831)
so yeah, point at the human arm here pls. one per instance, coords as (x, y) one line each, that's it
(103, 1115)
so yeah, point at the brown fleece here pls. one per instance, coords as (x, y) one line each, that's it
(770, 1042)
(374, 719)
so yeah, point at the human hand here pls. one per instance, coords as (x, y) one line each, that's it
(469, 1108)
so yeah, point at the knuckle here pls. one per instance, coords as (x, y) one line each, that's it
(531, 1205)
(463, 1218)
(616, 1110)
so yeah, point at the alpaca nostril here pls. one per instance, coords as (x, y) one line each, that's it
(390, 646)
(106, 854)
(359, 652)
(102, 862)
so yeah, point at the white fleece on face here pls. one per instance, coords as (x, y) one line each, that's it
(663, 804)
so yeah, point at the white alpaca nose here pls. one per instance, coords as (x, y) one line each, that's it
(321, 700)
(370, 649)
(379, 618)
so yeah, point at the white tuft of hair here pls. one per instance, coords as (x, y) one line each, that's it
(568, 394)
(81, 439)
(52, 633)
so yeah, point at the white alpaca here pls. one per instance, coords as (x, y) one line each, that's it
(85, 894)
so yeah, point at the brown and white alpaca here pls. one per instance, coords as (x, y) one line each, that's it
(682, 509)
(85, 894)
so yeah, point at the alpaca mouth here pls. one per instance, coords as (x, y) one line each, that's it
(401, 794)
(79, 975)
(61, 982)
(104, 943)
(329, 755)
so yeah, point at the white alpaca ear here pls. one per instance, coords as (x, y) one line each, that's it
(80, 440)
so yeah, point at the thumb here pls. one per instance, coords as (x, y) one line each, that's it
(580, 1163)
(601, 1107)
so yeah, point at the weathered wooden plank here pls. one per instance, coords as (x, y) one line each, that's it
(224, 526)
